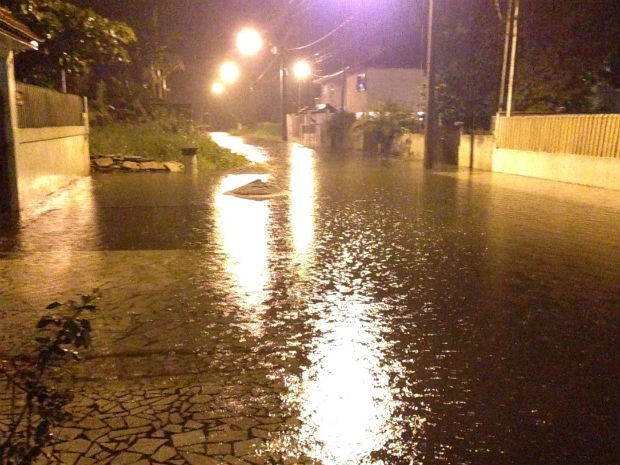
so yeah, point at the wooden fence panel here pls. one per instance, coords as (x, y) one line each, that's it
(593, 135)
(38, 107)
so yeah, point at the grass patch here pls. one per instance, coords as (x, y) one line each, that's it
(265, 130)
(154, 141)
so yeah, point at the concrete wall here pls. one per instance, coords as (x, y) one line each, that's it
(578, 169)
(46, 159)
(481, 157)
(411, 146)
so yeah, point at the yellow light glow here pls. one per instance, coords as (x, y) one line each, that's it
(243, 232)
(217, 88)
(251, 152)
(229, 72)
(302, 202)
(249, 42)
(302, 70)
(348, 408)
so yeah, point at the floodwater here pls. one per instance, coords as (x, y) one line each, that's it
(415, 317)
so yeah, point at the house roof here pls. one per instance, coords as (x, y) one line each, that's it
(14, 29)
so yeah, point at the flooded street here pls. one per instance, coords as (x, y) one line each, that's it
(391, 315)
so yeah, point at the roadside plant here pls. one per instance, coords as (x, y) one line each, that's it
(382, 126)
(338, 128)
(37, 395)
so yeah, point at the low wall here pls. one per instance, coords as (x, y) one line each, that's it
(47, 159)
(480, 156)
(411, 146)
(578, 169)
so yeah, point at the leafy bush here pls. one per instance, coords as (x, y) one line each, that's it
(37, 399)
(382, 126)
(338, 128)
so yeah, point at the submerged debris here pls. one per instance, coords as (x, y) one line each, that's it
(258, 189)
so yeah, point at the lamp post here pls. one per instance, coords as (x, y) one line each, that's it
(431, 111)
(302, 71)
(249, 42)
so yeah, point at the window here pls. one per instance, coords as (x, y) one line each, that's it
(361, 83)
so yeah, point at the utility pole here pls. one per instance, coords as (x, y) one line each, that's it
(513, 56)
(502, 85)
(283, 95)
(431, 111)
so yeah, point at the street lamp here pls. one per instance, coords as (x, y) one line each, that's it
(217, 88)
(229, 72)
(249, 42)
(302, 71)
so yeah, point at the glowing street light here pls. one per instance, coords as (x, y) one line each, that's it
(229, 72)
(302, 70)
(249, 42)
(217, 88)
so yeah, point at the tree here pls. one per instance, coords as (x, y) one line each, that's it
(75, 40)
(467, 52)
(567, 54)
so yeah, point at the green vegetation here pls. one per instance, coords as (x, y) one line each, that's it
(37, 382)
(266, 130)
(382, 126)
(162, 142)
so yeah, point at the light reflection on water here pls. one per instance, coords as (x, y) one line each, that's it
(242, 230)
(302, 198)
(251, 152)
(345, 397)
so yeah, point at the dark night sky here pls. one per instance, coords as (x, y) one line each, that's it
(202, 31)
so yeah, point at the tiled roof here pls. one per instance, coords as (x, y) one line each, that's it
(15, 29)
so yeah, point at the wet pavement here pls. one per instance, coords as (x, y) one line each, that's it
(377, 314)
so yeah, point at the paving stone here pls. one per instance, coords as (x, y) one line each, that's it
(159, 434)
(141, 462)
(128, 432)
(91, 423)
(232, 460)
(77, 445)
(137, 410)
(199, 459)
(147, 446)
(86, 461)
(166, 400)
(175, 418)
(134, 422)
(67, 434)
(260, 433)
(198, 448)
(189, 438)
(226, 436)
(219, 449)
(241, 422)
(116, 423)
(69, 458)
(191, 424)
(164, 454)
(247, 447)
(94, 450)
(257, 460)
(126, 458)
(173, 428)
(201, 399)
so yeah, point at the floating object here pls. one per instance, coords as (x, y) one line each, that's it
(258, 190)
